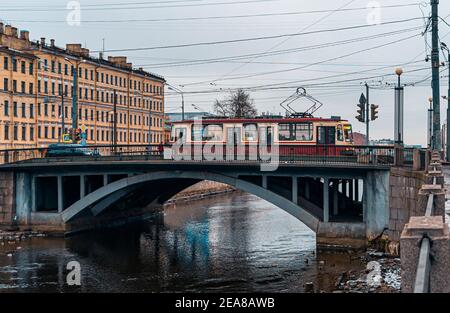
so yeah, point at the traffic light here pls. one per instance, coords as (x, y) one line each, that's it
(374, 112)
(361, 113)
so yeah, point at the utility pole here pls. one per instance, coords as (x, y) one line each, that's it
(115, 120)
(448, 110)
(63, 116)
(367, 115)
(75, 103)
(150, 124)
(435, 64)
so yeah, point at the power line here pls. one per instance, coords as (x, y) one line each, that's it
(55, 9)
(197, 18)
(276, 52)
(260, 38)
(312, 64)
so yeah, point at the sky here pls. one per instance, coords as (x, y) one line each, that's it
(330, 48)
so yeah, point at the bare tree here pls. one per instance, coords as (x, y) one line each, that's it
(238, 105)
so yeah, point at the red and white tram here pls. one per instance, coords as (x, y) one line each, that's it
(297, 136)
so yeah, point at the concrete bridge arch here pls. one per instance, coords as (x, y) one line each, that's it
(100, 199)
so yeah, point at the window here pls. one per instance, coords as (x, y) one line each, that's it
(250, 132)
(295, 131)
(66, 69)
(24, 133)
(45, 132)
(39, 109)
(16, 130)
(340, 133)
(348, 133)
(15, 109)
(31, 110)
(6, 108)
(6, 137)
(6, 63)
(14, 63)
(23, 110)
(31, 133)
(30, 89)
(15, 85)
(23, 67)
(31, 68)
(39, 132)
(178, 134)
(5, 84)
(53, 64)
(22, 87)
(206, 133)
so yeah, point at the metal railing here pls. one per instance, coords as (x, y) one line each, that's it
(322, 154)
(422, 282)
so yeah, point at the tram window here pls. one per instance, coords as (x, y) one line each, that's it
(265, 135)
(207, 133)
(197, 132)
(303, 131)
(340, 133)
(295, 131)
(180, 134)
(250, 132)
(213, 132)
(348, 133)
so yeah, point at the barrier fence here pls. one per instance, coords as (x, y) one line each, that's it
(327, 154)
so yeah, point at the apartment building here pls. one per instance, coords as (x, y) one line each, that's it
(37, 92)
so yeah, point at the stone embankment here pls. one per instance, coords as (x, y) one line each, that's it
(201, 190)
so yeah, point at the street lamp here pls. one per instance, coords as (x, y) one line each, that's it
(399, 100)
(430, 122)
(447, 150)
(182, 99)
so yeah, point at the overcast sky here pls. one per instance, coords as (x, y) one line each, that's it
(325, 66)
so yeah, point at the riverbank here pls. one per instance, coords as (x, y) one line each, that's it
(202, 190)
(382, 275)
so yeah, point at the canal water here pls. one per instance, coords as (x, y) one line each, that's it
(231, 243)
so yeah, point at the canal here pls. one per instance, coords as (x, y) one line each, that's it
(231, 243)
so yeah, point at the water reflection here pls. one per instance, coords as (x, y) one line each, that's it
(232, 243)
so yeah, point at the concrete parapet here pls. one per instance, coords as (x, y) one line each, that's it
(438, 232)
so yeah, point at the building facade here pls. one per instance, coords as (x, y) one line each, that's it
(37, 91)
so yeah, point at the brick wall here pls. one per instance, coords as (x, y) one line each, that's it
(6, 197)
(404, 187)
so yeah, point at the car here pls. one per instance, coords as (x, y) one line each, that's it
(64, 150)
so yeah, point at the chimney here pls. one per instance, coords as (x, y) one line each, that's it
(43, 41)
(25, 35)
(74, 48)
(52, 43)
(100, 55)
(14, 32)
(2, 30)
(8, 31)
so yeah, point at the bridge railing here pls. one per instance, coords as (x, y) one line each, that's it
(424, 240)
(323, 154)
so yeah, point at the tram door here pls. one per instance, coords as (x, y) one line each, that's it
(326, 140)
(234, 142)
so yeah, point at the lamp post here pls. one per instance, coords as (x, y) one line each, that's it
(399, 100)
(430, 122)
(182, 99)
(447, 150)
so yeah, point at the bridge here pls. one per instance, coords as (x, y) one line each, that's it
(344, 198)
